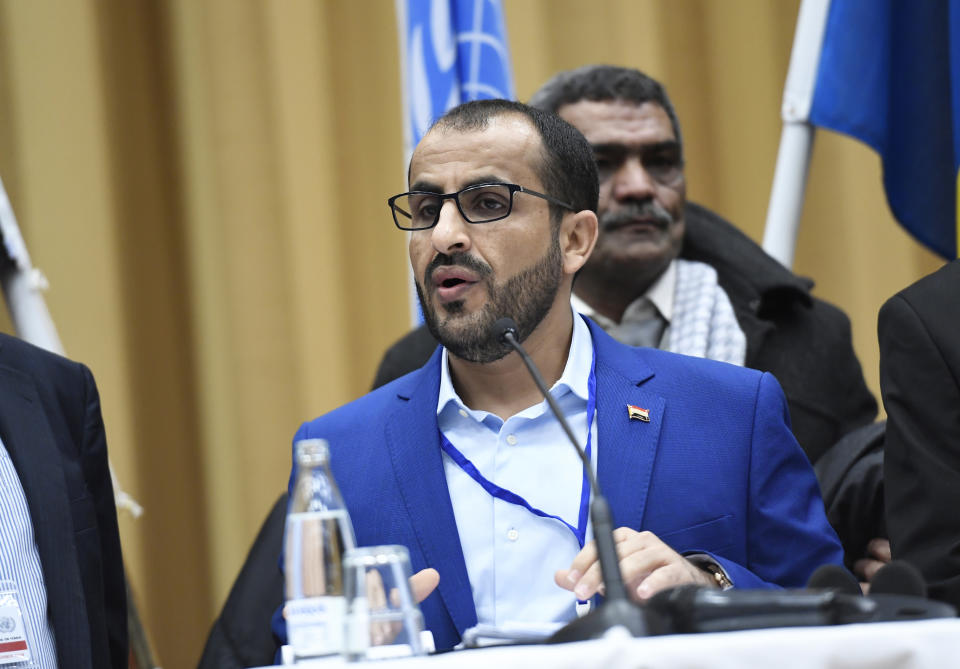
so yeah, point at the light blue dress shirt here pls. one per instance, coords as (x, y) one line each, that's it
(20, 563)
(510, 553)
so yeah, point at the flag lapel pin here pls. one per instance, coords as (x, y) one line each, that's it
(636, 413)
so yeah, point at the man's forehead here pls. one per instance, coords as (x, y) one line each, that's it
(504, 148)
(619, 121)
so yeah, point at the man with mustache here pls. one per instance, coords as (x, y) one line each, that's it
(673, 275)
(462, 462)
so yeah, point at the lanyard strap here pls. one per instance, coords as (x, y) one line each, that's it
(580, 531)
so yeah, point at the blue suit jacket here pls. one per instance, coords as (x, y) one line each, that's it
(716, 470)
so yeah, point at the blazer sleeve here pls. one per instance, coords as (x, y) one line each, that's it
(788, 535)
(922, 443)
(100, 485)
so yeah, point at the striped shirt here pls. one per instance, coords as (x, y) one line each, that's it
(20, 564)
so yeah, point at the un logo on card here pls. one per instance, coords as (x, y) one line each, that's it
(7, 624)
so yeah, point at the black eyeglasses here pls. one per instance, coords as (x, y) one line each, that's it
(481, 203)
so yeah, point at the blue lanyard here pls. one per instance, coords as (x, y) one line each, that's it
(580, 531)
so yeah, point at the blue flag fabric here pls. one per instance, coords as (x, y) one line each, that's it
(456, 51)
(889, 75)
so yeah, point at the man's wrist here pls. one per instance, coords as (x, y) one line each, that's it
(713, 574)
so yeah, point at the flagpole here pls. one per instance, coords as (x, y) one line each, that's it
(796, 140)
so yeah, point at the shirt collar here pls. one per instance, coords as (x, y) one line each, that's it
(661, 293)
(574, 377)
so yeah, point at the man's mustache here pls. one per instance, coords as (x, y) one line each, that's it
(633, 211)
(465, 260)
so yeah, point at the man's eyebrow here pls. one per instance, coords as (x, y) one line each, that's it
(616, 147)
(485, 179)
(611, 147)
(431, 187)
(426, 186)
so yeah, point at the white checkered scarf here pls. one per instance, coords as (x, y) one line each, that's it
(703, 323)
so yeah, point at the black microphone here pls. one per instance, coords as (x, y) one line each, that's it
(617, 609)
(898, 578)
(834, 577)
(832, 597)
(900, 593)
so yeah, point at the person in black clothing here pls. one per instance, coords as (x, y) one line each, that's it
(920, 384)
(59, 535)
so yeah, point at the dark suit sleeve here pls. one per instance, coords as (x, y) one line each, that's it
(922, 447)
(241, 636)
(97, 475)
(855, 406)
(810, 351)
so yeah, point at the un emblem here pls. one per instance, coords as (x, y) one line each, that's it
(7, 624)
(456, 51)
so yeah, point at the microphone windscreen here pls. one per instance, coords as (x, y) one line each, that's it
(502, 326)
(898, 578)
(834, 577)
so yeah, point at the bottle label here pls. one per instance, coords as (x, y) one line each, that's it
(315, 625)
(314, 545)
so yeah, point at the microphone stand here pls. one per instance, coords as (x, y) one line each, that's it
(616, 609)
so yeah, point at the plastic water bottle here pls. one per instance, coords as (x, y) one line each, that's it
(318, 532)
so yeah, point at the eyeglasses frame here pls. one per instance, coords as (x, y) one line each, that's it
(513, 188)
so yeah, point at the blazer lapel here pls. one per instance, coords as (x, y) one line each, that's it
(413, 440)
(626, 447)
(28, 438)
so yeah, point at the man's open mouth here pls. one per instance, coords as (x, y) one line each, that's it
(451, 283)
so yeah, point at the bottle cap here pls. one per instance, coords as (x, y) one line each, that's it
(312, 452)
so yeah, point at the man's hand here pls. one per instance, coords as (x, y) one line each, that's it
(648, 565)
(878, 554)
(423, 583)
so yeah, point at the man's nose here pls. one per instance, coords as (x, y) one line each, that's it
(451, 233)
(632, 182)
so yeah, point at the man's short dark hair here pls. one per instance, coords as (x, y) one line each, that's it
(567, 168)
(602, 83)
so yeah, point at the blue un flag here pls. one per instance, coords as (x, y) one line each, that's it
(889, 75)
(452, 51)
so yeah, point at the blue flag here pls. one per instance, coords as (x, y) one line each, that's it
(889, 75)
(454, 51)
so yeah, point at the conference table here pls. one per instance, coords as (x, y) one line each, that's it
(896, 645)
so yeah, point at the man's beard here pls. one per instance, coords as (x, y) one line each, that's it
(525, 297)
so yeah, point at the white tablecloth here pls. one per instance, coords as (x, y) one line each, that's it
(928, 644)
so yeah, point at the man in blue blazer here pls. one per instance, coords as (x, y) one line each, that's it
(705, 480)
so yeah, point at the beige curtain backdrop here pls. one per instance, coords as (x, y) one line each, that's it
(203, 183)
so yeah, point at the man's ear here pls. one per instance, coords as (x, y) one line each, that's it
(578, 236)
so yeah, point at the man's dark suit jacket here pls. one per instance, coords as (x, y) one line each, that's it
(51, 425)
(919, 331)
(803, 341)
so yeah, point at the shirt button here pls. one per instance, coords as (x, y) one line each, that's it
(463, 413)
(511, 439)
(513, 534)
